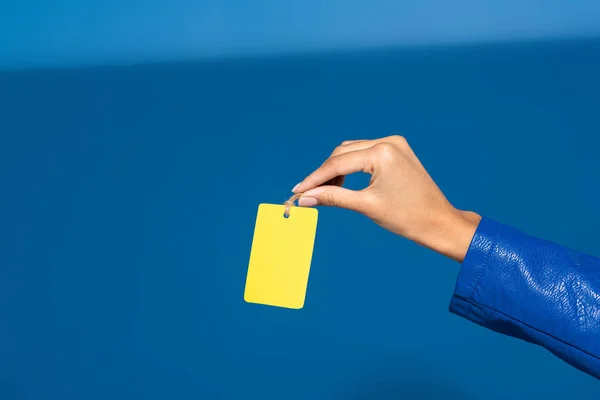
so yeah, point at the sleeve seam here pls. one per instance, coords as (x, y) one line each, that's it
(473, 303)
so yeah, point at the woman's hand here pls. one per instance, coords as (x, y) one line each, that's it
(401, 196)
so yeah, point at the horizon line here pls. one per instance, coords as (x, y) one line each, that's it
(284, 53)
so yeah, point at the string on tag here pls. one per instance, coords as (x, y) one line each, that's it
(288, 204)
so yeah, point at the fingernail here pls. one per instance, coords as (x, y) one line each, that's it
(295, 187)
(307, 202)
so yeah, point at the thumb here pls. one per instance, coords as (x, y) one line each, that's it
(333, 196)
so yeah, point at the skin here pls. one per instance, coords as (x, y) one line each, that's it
(401, 196)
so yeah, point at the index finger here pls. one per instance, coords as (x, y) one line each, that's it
(343, 164)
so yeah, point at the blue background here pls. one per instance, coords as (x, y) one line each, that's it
(130, 193)
(42, 33)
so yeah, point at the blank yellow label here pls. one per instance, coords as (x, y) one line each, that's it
(281, 254)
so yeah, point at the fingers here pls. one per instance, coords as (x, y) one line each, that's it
(335, 166)
(337, 181)
(335, 196)
(347, 142)
(345, 147)
(354, 145)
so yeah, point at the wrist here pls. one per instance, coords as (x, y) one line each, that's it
(452, 233)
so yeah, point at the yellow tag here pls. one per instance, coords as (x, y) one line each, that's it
(280, 257)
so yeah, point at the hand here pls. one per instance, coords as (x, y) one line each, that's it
(401, 196)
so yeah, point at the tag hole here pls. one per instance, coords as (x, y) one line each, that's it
(286, 215)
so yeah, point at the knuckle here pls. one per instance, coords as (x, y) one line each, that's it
(338, 150)
(400, 140)
(384, 149)
(386, 152)
(330, 199)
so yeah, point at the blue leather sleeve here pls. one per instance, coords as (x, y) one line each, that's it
(532, 289)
